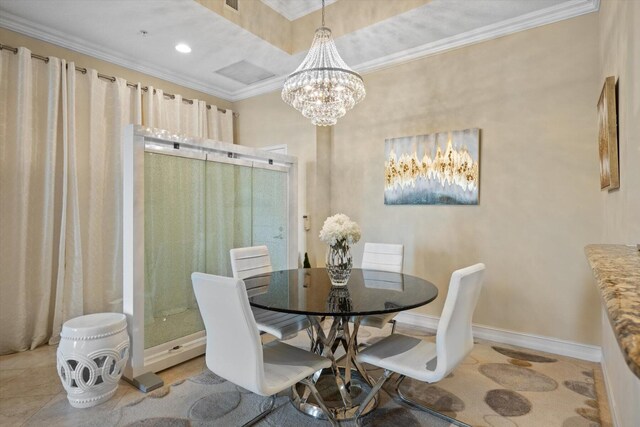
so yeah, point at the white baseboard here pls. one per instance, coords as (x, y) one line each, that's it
(612, 403)
(591, 353)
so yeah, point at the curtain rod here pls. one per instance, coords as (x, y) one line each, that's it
(111, 78)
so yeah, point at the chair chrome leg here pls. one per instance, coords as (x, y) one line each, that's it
(425, 409)
(262, 414)
(314, 391)
(312, 339)
(374, 390)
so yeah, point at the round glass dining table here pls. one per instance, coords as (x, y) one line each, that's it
(309, 292)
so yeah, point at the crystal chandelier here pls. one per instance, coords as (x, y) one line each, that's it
(323, 88)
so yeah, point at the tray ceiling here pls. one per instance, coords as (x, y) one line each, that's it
(294, 9)
(110, 30)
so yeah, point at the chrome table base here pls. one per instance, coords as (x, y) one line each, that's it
(346, 391)
(350, 384)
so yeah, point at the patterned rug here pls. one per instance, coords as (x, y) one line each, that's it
(495, 386)
(208, 400)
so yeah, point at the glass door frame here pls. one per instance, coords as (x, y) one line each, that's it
(137, 141)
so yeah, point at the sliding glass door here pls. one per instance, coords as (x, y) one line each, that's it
(270, 214)
(228, 213)
(174, 234)
(196, 210)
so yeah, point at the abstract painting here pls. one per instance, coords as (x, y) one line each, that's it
(608, 136)
(436, 169)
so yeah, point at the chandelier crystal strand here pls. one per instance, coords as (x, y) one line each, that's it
(323, 88)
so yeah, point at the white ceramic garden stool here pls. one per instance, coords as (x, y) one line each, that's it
(92, 354)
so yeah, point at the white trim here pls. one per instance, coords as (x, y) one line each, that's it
(416, 319)
(562, 11)
(175, 352)
(552, 14)
(265, 86)
(23, 26)
(612, 403)
(136, 139)
(622, 384)
(201, 144)
(538, 18)
(535, 342)
(280, 148)
(132, 255)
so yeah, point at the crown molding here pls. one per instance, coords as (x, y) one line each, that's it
(23, 26)
(565, 10)
(531, 20)
(560, 12)
(260, 88)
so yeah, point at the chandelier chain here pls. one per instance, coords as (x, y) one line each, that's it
(323, 13)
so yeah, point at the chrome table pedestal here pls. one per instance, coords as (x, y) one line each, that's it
(309, 291)
(343, 388)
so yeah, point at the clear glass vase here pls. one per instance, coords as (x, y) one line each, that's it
(339, 264)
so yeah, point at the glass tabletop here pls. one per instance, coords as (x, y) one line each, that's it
(309, 291)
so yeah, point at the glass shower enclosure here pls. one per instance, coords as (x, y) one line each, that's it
(187, 201)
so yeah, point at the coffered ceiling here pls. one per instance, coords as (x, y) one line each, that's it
(239, 54)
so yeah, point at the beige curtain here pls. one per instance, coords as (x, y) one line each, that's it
(90, 261)
(60, 188)
(195, 119)
(29, 186)
(220, 125)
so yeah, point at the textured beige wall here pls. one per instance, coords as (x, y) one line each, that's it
(295, 36)
(620, 57)
(47, 49)
(258, 18)
(267, 120)
(533, 94)
(361, 13)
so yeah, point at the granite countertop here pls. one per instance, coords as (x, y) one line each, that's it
(617, 270)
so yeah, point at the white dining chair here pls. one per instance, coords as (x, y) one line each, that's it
(253, 261)
(382, 257)
(234, 350)
(427, 361)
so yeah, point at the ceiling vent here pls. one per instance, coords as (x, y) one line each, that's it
(245, 72)
(233, 4)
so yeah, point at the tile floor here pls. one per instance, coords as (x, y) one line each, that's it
(29, 382)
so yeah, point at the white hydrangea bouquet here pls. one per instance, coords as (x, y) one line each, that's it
(339, 229)
(339, 232)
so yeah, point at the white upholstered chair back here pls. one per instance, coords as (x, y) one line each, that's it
(383, 257)
(454, 337)
(234, 353)
(251, 261)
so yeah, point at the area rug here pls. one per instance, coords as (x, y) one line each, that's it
(208, 400)
(495, 386)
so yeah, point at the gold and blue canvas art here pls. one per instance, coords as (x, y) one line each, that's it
(436, 169)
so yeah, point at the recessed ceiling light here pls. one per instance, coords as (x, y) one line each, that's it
(183, 48)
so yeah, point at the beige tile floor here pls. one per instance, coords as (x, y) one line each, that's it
(29, 383)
